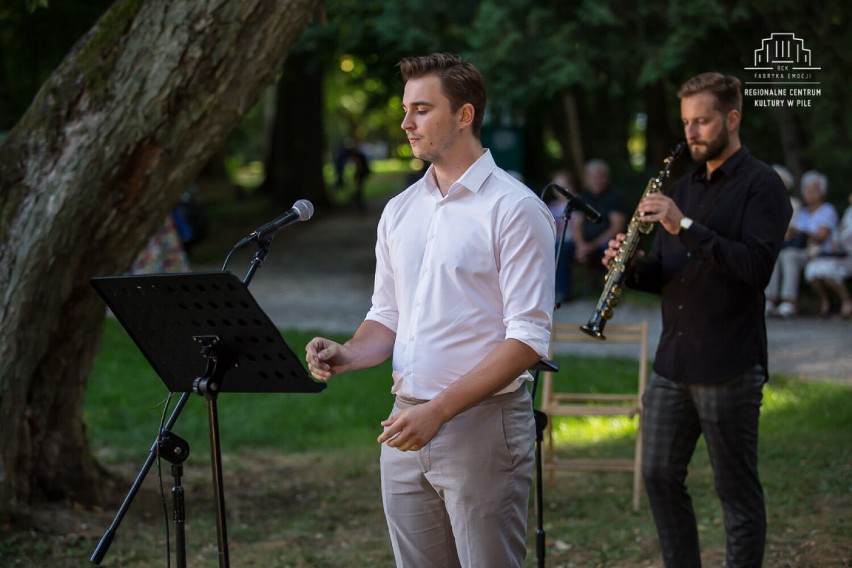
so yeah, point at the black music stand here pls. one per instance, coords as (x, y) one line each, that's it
(171, 317)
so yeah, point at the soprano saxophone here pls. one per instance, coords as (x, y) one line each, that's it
(618, 267)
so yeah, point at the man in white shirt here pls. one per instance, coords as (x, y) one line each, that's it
(463, 302)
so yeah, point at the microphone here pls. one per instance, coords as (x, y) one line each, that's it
(578, 204)
(302, 210)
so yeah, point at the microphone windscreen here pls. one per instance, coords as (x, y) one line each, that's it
(305, 209)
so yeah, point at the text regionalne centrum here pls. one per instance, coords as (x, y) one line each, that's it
(782, 92)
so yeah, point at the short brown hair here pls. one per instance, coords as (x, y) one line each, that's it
(726, 89)
(461, 81)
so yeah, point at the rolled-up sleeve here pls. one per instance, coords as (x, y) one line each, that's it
(384, 309)
(527, 267)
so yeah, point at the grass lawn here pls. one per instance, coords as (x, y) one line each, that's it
(302, 489)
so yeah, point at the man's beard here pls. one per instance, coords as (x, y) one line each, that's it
(711, 149)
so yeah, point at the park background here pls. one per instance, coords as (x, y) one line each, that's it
(567, 82)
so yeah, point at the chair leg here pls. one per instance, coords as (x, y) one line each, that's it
(637, 466)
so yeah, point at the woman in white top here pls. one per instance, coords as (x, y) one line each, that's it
(809, 234)
(828, 273)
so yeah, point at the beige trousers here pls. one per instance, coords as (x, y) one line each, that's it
(462, 500)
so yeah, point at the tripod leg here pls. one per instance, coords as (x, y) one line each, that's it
(105, 542)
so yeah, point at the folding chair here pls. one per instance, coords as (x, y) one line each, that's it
(561, 402)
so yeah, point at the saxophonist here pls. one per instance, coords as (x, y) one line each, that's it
(722, 229)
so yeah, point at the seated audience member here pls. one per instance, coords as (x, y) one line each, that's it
(592, 239)
(809, 234)
(163, 253)
(828, 272)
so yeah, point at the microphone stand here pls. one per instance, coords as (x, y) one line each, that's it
(539, 416)
(566, 217)
(257, 261)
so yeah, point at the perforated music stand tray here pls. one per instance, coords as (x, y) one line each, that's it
(167, 314)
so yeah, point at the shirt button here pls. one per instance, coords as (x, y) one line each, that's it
(411, 338)
(680, 307)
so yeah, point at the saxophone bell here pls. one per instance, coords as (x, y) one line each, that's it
(595, 326)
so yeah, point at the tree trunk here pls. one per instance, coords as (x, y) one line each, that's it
(661, 134)
(295, 161)
(566, 129)
(119, 129)
(536, 168)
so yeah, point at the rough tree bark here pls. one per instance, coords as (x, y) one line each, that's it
(124, 123)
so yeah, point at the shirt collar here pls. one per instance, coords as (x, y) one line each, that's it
(473, 179)
(727, 168)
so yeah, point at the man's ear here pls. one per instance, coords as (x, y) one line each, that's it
(466, 114)
(733, 120)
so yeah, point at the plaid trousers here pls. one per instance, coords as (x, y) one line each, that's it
(727, 414)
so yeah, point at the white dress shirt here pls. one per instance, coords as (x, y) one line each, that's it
(457, 275)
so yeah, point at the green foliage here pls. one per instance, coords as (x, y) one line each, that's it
(508, 36)
(360, 106)
(410, 27)
(532, 54)
(34, 37)
(33, 5)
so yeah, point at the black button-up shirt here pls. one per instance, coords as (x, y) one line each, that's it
(711, 277)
